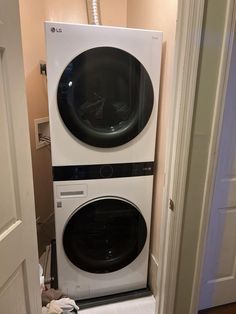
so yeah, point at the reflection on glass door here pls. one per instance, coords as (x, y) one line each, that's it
(104, 235)
(105, 97)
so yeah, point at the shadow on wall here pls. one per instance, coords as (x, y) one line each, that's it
(45, 233)
(36, 90)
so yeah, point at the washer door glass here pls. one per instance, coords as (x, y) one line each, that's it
(104, 235)
(105, 97)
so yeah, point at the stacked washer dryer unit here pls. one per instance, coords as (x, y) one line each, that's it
(103, 87)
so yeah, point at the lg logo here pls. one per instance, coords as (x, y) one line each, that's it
(57, 30)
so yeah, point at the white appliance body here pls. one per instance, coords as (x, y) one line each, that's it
(69, 196)
(67, 41)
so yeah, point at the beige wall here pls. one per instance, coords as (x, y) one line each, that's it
(158, 15)
(113, 12)
(71, 11)
(33, 14)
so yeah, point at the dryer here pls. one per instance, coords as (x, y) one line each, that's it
(103, 228)
(103, 85)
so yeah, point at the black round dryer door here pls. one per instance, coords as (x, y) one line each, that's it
(105, 97)
(104, 235)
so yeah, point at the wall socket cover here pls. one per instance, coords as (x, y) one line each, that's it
(41, 126)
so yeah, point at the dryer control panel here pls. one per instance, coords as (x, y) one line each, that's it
(104, 171)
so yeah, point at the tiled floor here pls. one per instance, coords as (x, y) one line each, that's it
(144, 305)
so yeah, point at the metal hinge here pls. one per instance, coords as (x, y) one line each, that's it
(171, 205)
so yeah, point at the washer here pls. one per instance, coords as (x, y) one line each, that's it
(103, 85)
(103, 228)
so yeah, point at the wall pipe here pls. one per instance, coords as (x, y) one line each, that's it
(93, 11)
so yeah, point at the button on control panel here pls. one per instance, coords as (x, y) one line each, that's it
(106, 171)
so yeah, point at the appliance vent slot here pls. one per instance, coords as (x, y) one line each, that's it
(72, 193)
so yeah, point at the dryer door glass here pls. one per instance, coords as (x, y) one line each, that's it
(105, 97)
(105, 235)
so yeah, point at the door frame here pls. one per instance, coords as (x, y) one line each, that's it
(189, 29)
(187, 50)
(214, 146)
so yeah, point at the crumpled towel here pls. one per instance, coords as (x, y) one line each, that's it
(66, 304)
(49, 295)
(58, 306)
(44, 310)
(52, 308)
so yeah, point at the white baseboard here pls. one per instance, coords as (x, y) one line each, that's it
(152, 275)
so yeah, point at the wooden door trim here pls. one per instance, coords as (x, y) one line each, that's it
(219, 106)
(187, 49)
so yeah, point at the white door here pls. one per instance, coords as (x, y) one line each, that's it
(19, 279)
(219, 273)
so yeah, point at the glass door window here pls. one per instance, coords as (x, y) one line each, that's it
(105, 97)
(104, 235)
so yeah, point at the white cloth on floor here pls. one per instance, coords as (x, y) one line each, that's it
(66, 304)
(52, 308)
(41, 278)
(44, 310)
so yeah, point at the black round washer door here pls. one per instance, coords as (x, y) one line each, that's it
(105, 97)
(104, 235)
